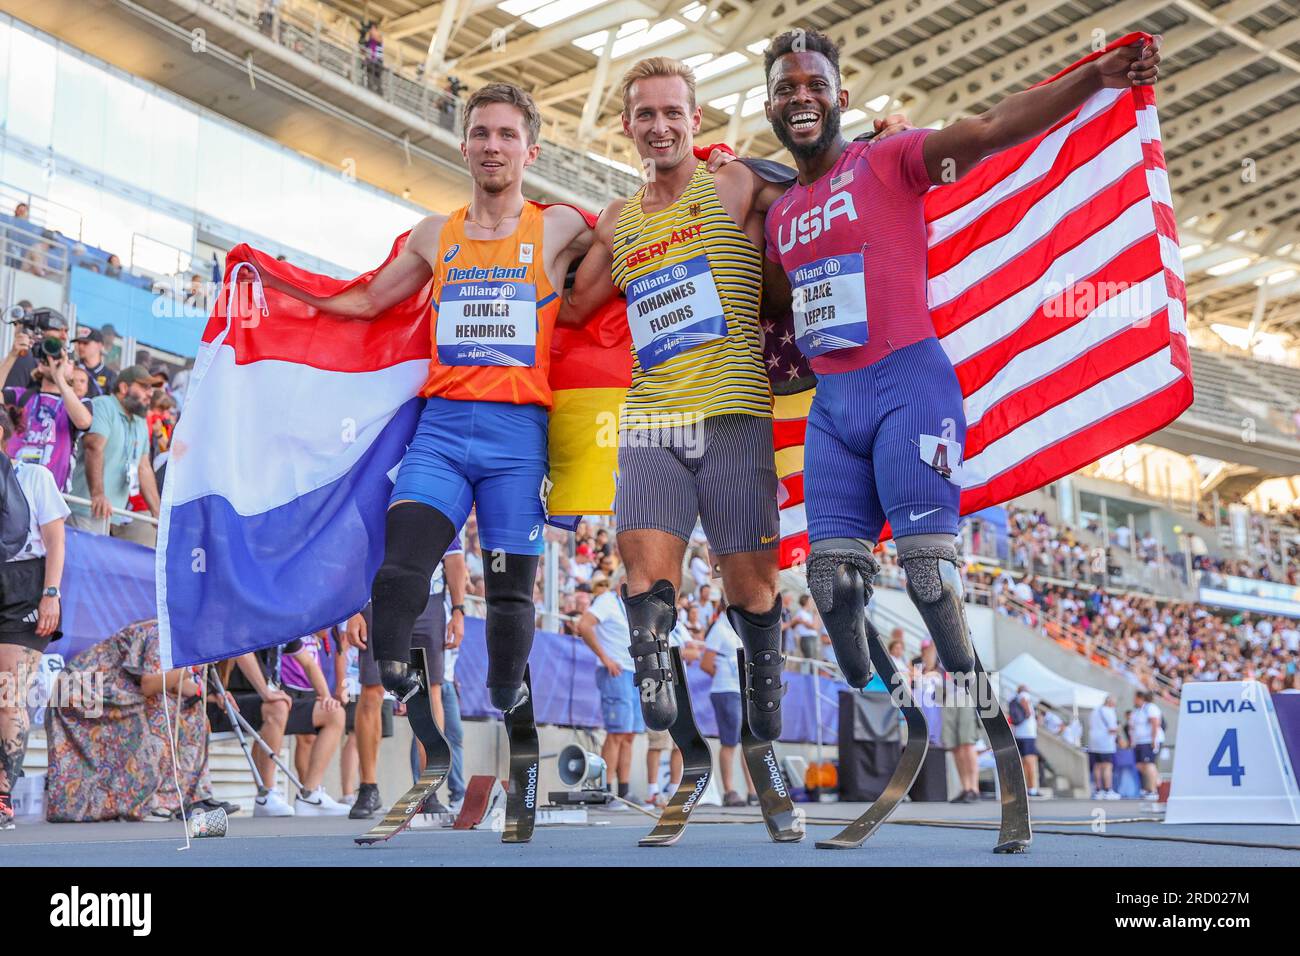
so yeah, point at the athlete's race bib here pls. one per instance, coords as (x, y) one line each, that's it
(488, 323)
(674, 309)
(829, 299)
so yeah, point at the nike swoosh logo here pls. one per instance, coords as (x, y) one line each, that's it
(913, 516)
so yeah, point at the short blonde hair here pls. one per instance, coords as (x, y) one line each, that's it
(658, 66)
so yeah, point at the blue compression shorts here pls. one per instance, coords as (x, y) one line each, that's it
(492, 455)
(862, 455)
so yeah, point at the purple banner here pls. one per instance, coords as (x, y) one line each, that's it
(564, 688)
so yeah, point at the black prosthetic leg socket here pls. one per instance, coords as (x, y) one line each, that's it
(508, 582)
(416, 537)
(761, 635)
(650, 619)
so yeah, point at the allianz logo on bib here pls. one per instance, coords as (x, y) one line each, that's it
(813, 222)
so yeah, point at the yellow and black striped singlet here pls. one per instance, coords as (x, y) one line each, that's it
(724, 376)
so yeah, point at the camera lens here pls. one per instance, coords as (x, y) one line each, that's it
(51, 347)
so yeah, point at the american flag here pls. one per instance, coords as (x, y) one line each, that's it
(1056, 288)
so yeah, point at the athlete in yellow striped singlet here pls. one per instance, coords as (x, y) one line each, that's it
(695, 440)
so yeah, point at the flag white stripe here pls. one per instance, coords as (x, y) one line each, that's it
(1171, 256)
(322, 426)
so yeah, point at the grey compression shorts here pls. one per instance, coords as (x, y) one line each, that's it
(721, 470)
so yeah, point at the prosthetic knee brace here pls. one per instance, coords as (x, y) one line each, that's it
(934, 585)
(650, 619)
(417, 535)
(840, 581)
(508, 582)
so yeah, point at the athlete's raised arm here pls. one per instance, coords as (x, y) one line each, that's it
(403, 277)
(951, 152)
(592, 287)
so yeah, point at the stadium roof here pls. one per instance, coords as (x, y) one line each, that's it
(1229, 97)
(1229, 102)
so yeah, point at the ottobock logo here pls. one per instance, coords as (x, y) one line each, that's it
(77, 909)
(773, 771)
(700, 784)
(530, 790)
(1220, 707)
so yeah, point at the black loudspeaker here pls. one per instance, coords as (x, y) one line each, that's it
(931, 785)
(870, 742)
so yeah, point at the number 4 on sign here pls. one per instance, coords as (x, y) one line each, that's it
(1227, 751)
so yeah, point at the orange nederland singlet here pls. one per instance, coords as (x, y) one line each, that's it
(494, 311)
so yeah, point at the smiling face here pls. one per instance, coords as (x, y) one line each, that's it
(661, 120)
(804, 102)
(496, 147)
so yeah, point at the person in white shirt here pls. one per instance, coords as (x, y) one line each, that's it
(805, 629)
(31, 614)
(603, 628)
(1103, 735)
(719, 660)
(1023, 592)
(1146, 734)
(1024, 726)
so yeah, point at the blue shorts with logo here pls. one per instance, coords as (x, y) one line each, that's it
(488, 455)
(620, 705)
(862, 453)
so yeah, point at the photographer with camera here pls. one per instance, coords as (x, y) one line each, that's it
(37, 323)
(49, 413)
(113, 463)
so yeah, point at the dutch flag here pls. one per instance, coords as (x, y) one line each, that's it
(272, 521)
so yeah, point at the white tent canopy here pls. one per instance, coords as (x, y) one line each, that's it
(1048, 686)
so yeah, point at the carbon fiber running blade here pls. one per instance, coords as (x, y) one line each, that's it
(697, 765)
(784, 821)
(1015, 834)
(419, 711)
(909, 764)
(521, 798)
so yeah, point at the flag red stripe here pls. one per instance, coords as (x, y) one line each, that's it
(1165, 223)
(1132, 265)
(1101, 361)
(1030, 266)
(794, 488)
(788, 432)
(295, 332)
